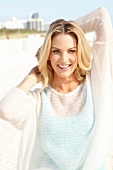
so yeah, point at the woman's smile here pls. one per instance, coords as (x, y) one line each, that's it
(64, 67)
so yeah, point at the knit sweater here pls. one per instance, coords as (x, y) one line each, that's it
(23, 111)
(64, 135)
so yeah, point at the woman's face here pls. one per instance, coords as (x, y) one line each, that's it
(63, 55)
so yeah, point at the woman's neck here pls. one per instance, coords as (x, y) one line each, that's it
(65, 85)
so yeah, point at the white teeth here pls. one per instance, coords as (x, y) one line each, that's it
(64, 66)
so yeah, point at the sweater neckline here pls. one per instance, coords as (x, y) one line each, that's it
(66, 94)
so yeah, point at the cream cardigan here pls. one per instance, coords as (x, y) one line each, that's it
(101, 79)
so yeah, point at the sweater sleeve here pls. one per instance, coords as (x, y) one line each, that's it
(16, 106)
(99, 22)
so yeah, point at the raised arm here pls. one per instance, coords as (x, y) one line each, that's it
(19, 102)
(99, 22)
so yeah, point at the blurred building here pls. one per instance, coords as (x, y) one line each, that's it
(14, 23)
(34, 22)
(35, 15)
(46, 26)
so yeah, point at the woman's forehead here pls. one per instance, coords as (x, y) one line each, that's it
(63, 37)
(63, 40)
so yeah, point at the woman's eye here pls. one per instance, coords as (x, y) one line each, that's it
(56, 51)
(71, 51)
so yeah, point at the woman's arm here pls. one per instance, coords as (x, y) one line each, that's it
(99, 22)
(30, 80)
(16, 105)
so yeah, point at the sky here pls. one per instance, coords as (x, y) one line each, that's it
(49, 10)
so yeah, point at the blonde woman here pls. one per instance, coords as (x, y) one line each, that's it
(67, 124)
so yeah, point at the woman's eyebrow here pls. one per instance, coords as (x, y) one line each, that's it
(72, 48)
(68, 48)
(56, 48)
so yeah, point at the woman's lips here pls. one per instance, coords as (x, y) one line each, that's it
(64, 67)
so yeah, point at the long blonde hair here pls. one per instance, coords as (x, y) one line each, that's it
(83, 52)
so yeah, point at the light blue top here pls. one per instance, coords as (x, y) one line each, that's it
(102, 167)
(66, 140)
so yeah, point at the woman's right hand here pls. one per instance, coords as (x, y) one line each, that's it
(30, 80)
(35, 75)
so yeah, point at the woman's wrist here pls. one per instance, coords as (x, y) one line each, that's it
(27, 83)
(30, 80)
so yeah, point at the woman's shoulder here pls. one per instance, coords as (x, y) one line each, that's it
(34, 92)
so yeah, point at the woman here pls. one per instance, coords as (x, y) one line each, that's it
(67, 124)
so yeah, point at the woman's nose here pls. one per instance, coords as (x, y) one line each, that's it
(64, 57)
